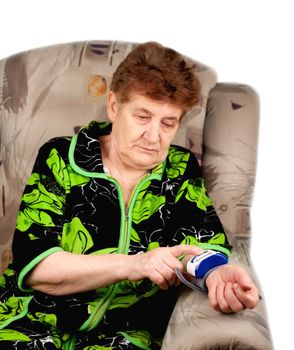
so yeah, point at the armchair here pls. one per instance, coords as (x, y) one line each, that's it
(52, 91)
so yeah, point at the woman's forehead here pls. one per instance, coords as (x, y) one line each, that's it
(141, 103)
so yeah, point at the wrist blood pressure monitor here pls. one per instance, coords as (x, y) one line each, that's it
(200, 266)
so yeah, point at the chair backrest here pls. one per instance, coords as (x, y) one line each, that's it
(53, 91)
(230, 141)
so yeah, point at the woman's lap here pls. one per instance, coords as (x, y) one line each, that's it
(25, 334)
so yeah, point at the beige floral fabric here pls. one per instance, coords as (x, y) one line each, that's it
(229, 162)
(53, 91)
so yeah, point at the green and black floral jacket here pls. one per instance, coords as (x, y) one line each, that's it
(71, 204)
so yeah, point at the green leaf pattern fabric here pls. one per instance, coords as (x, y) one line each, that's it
(75, 238)
(70, 203)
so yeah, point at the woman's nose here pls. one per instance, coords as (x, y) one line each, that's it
(152, 133)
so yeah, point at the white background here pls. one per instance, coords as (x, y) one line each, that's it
(244, 41)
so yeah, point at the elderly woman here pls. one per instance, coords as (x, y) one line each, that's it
(108, 215)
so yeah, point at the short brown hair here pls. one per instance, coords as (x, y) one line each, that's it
(159, 73)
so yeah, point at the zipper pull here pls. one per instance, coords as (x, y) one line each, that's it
(127, 212)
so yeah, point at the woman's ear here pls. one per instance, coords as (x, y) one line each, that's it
(112, 105)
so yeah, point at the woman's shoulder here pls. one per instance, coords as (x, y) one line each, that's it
(59, 144)
(176, 152)
(183, 160)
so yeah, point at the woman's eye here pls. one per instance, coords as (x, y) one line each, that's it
(168, 124)
(143, 117)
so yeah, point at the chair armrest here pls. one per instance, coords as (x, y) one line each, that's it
(194, 325)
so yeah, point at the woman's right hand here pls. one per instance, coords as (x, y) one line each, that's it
(159, 264)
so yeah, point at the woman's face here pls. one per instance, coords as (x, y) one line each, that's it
(143, 129)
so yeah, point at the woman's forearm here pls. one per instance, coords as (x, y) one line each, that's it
(64, 273)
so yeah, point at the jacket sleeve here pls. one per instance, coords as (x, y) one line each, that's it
(195, 218)
(41, 214)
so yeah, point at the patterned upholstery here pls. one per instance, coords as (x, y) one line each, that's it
(54, 90)
(229, 161)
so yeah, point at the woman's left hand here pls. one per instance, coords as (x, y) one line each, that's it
(230, 289)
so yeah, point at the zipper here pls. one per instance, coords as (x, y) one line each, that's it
(123, 246)
(99, 310)
(129, 208)
(126, 229)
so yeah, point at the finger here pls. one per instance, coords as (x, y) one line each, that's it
(243, 279)
(159, 280)
(213, 298)
(184, 249)
(221, 299)
(249, 297)
(234, 303)
(168, 272)
(177, 281)
(171, 261)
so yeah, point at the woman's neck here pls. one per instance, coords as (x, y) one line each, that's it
(127, 176)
